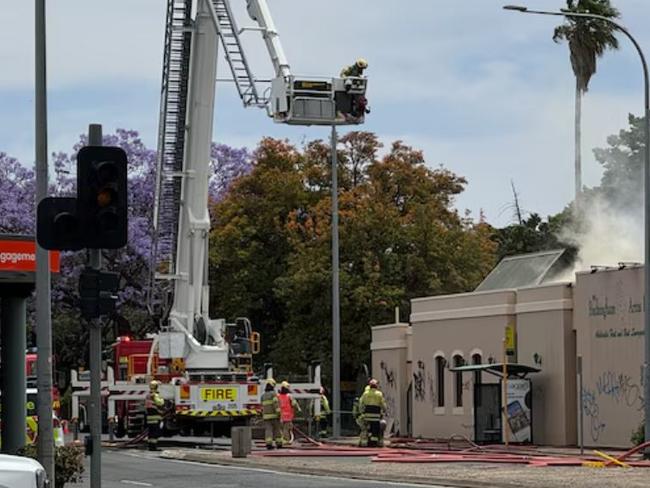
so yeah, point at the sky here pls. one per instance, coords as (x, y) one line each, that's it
(483, 92)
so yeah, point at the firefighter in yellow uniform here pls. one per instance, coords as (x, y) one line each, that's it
(271, 415)
(356, 69)
(153, 406)
(372, 407)
(325, 412)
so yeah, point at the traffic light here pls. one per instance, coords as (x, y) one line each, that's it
(97, 292)
(102, 196)
(57, 225)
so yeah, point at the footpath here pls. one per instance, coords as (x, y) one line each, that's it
(448, 474)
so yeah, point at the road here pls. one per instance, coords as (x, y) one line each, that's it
(133, 469)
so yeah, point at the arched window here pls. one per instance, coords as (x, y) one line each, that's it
(440, 380)
(477, 359)
(458, 381)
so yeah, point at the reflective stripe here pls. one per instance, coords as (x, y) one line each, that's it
(218, 413)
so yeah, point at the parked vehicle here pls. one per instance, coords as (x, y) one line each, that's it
(21, 472)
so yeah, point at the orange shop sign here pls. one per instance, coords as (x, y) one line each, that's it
(20, 255)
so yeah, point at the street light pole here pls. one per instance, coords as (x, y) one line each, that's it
(336, 307)
(646, 194)
(45, 442)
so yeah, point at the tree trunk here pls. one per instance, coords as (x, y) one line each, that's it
(578, 145)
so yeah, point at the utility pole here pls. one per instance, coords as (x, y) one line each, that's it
(95, 262)
(45, 447)
(336, 308)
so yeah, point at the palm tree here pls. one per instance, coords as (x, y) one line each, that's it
(588, 40)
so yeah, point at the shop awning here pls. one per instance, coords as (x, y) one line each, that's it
(512, 369)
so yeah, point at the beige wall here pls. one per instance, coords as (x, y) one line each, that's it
(546, 340)
(609, 325)
(389, 366)
(599, 318)
(462, 324)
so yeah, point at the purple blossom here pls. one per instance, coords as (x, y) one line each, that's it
(17, 213)
(228, 164)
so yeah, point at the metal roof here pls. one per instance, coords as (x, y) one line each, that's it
(521, 271)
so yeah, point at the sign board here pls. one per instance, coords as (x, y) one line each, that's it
(19, 255)
(519, 410)
(511, 340)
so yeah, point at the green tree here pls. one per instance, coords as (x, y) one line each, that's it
(533, 235)
(588, 40)
(621, 184)
(249, 247)
(400, 239)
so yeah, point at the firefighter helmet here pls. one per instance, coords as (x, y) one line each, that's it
(362, 63)
(285, 384)
(270, 381)
(153, 385)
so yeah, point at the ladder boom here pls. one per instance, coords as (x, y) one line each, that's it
(228, 32)
(258, 10)
(171, 138)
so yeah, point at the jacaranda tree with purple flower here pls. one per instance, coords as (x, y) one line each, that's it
(17, 215)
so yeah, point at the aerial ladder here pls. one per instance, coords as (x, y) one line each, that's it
(196, 31)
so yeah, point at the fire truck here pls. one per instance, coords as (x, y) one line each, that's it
(205, 364)
(30, 372)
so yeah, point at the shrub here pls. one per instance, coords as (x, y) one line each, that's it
(638, 436)
(68, 463)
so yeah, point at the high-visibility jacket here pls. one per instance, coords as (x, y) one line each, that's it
(353, 70)
(288, 407)
(153, 406)
(325, 405)
(270, 405)
(372, 405)
(32, 429)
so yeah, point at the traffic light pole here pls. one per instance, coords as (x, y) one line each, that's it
(95, 262)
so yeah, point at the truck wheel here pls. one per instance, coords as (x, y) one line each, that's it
(120, 428)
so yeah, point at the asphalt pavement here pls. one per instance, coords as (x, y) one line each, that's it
(132, 469)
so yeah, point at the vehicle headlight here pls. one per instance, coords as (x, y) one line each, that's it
(41, 479)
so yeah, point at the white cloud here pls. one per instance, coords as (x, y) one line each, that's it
(483, 91)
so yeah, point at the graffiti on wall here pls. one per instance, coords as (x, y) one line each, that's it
(610, 386)
(390, 393)
(419, 382)
(388, 375)
(591, 411)
(432, 392)
(621, 388)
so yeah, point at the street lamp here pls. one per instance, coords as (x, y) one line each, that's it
(646, 298)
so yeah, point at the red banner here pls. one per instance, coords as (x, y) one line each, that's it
(20, 255)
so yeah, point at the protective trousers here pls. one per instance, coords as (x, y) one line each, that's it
(272, 431)
(374, 431)
(363, 432)
(322, 425)
(287, 432)
(153, 428)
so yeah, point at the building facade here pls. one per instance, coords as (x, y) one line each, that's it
(598, 319)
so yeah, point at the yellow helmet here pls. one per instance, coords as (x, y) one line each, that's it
(153, 385)
(285, 384)
(362, 63)
(270, 381)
